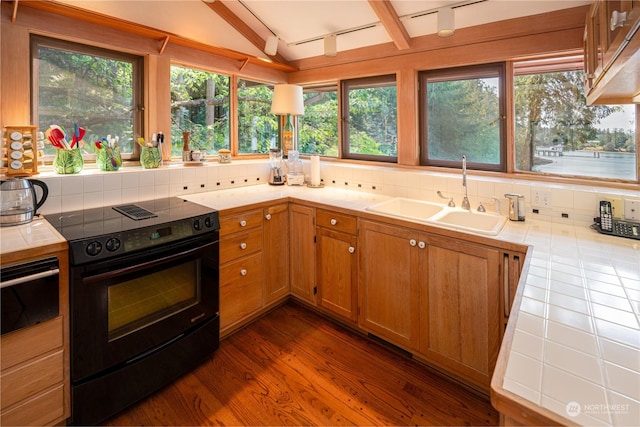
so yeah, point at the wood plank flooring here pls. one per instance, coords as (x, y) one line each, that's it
(293, 367)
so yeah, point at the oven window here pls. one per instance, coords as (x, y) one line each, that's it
(140, 302)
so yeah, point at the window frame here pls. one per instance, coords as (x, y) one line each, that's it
(571, 61)
(463, 73)
(178, 64)
(236, 112)
(36, 40)
(325, 87)
(343, 105)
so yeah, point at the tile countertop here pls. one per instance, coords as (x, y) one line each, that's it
(28, 236)
(574, 347)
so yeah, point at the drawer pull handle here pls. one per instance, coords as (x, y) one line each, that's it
(422, 245)
(351, 249)
(243, 246)
(412, 242)
(243, 272)
(267, 217)
(334, 221)
(243, 223)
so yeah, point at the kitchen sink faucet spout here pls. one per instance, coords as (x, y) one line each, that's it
(465, 201)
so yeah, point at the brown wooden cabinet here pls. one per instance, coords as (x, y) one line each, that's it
(336, 263)
(612, 52)
(459, 308)
(389, 279)
(302, 252)
(435, 296)
(241, 268)
(276, 252)
(34, 360)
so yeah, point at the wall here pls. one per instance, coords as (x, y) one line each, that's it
(92, 188)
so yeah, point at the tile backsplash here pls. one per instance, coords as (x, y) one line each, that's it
(574, 204)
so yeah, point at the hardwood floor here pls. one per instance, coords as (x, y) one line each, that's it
(293, 367)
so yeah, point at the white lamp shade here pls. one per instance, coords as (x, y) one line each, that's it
(446, 22)
(287, 99)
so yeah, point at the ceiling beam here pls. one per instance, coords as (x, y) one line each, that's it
(232, 19)
(389, 18)
(163, 37)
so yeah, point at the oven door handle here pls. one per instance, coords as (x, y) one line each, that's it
(29, 278)
(149, 264)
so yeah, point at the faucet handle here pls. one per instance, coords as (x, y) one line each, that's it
(481, 208)
(451, 203)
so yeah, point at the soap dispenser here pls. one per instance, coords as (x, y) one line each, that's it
(516, 206)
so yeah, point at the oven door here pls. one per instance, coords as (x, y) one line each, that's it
(128, 308)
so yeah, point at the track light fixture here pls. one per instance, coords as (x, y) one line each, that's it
(446, 22)
(330, 45)
(271, 46)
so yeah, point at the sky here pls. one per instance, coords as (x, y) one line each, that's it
(624, 119)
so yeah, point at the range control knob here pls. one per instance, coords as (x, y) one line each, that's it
(94, 248)
(113, 244)
(197, 224)
(208, 222)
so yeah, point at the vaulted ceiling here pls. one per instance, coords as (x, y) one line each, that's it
(301, 25)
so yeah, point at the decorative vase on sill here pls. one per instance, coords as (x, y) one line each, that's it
(68, 161)
(150, 157)
(109, 159)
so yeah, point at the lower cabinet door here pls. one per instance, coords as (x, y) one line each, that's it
(240, 289)
(43, 409)
(302, 261)
(459, 307)
(388, 277)
(337, 273)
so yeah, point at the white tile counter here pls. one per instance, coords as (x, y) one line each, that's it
(575, 348)
(28, 236)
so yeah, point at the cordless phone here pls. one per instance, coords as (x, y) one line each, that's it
(605, 224)
(606, 219)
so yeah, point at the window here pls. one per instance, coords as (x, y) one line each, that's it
(97, 89)
(199, 106)
(557, 133)
(257, 127)
(318, 131)
(369, 109)
(462, 112)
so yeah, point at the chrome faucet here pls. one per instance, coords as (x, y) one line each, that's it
(465, 201)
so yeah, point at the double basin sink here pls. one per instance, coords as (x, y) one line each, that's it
(441, 215)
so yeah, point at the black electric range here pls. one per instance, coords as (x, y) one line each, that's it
(101, 233)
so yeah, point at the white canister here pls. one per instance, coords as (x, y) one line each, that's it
(315, 170)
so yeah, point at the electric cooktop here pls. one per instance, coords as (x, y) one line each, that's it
(99, 233)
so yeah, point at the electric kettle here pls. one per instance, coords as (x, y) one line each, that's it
(18, 200)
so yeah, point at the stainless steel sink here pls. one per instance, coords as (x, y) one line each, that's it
(441, 215)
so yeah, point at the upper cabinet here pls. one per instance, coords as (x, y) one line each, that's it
(612, 52)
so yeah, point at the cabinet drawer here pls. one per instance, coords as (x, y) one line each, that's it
(240, 244)
(336, 221)
(44, 409)
(240, 289)
(243, 221)
(24, 344)
(32, 378)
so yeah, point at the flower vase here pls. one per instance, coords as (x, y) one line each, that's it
(68, 161)
(150, 157)
(109, 159)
